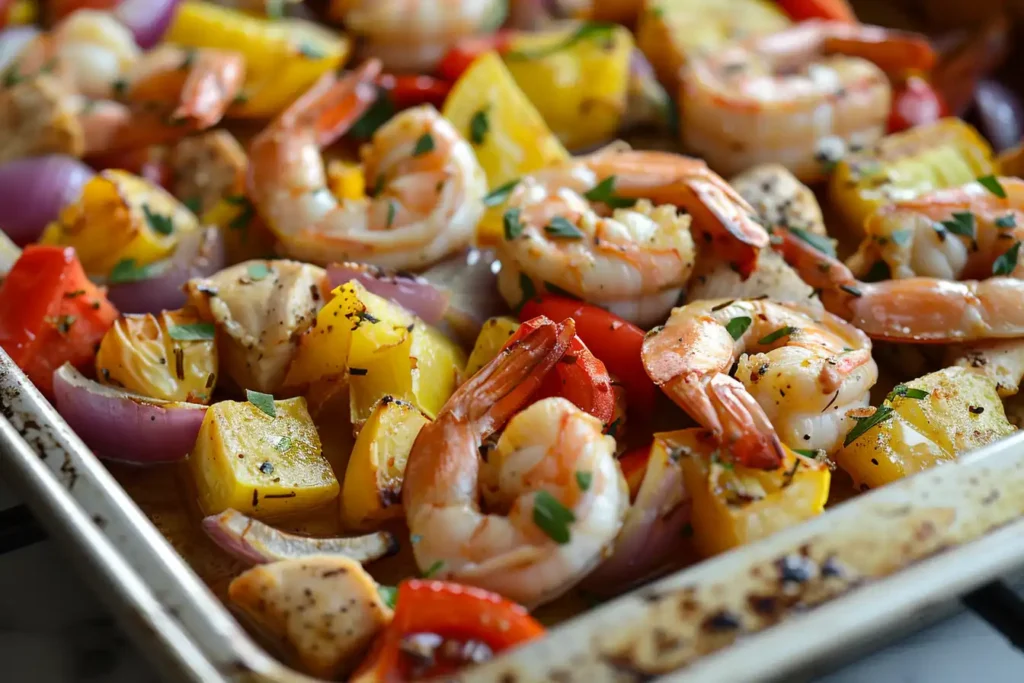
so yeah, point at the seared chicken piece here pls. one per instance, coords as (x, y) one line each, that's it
(780, 199)
(38, 116)
(208, 168)
(326, 609)
(260, 309)
(772, 278)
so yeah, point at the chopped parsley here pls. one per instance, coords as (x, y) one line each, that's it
(499, 195)
(552, 517)
(883, 412)
(1007, 261)
(424, 145)
(513, 226)
(388, 595)
(1007, 221)
(479, 126)
(245, 216)
(311, 51)
(157, 221)
(900, 237)
(991, 183)
(737, 326)
(392, 209)
(562, 228)
(258, 271)
(379, 113)
(126, 270)
(777, 335)
(529, 290)
(604, 192)
(822, 244)
(265, 402)
(588, 30)
(192, 332)
(584, 479)
(962, 223)
(807, 452)
(282, 444)
(433, 569)
(193, 204)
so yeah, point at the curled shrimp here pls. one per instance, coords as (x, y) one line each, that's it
(923, 310)
(123, 98)
(636, 260)
(427, 185)
(797, 374)
(413, 35)
(779, 97)
(552, 484)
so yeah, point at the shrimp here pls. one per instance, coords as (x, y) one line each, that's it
(427, 186)
(923, 310)
(123, 98)
(413, 35)
(797, 374)
(555, 491)
(789, 96)
(637, 260)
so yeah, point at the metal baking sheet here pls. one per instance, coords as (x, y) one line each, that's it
(764, 611)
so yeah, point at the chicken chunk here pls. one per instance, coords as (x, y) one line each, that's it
(38, 116)
(208, 168)
(780, 199)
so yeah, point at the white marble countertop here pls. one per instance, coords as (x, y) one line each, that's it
(53, 630)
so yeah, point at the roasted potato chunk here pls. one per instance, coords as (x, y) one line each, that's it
(170, 356)
(372, 487)
(944, 415)
(326, 610)
(734, 505)
(264, 465)
(493, 335)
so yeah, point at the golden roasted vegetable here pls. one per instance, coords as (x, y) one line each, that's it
(669, 31)
(283, 57)
(120, 223)
(904, 165)
(933, 419)
(372, 487)
(423, 368)
(733, 505)
(261, 457)
(493, 335)
(346, 180)
(577, 77)
(170, 356)
(516, 140)
(246, 236)
(326, 610)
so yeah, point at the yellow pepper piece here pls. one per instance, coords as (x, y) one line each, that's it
(121, 217)
(493, 335)
(734, 505)
(283, 57)
(579, 85)
(346, 180)
(23, 12)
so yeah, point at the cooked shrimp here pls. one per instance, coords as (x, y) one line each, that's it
(917, 309)
(413, 35)
(121, 97)
(636, 261)
(781, 97)
(427, 185)
(547, 528)
(952, 234)
(797, 374)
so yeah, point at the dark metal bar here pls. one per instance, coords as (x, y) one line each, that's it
(18, 529)
(1002, 607)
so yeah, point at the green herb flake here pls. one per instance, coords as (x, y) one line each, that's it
(267, 467)
(258, 271)
(822, 244)
(903, 391)
(604, 192)
(424, 145)
(777, 335)
(158, 222)
(529, 290)
(1007, 261)
(613, 428)
(880, 415)
(392, 210)
(584, 479)
(379, 113)
(807, 452)
(900, 237)
(479, 126)
(311, 51)
(962, 223)
(1007, 221)
(120, 86)
(992, 184)
(737, 326)
(282, 444)
(192, 332)
(552, 517)
(562, 228)
(558, 291)
(590, 30)
(500, 195)
(513, 225)
(388, 595)
(265, 402)
(433, 569)
(126, 270)
(245, 216)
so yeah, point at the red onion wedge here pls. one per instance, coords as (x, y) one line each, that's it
(471, 278)
(652, 531)
(122, 426)
(33, 191)
(12, 40)
(252, 541)
(148, 20)
(199, 254)
(405, 289)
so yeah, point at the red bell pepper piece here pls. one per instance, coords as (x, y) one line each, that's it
(51, 314)
(579, 377)
(833, 10)
(5, 12)
(914, 103)
(616, 342)
(410, 90)
(452, 611)
(463, 53)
